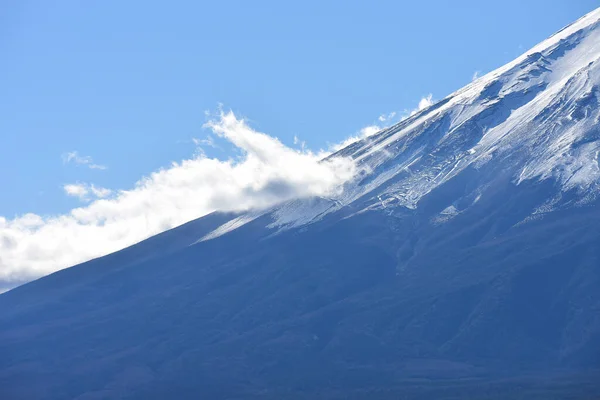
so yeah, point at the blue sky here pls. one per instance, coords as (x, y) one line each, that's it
(127, 83)
(103, 108)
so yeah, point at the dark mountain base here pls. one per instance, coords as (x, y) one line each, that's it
(381, 305)
(582, 386)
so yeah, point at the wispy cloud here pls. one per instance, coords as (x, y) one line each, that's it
(76, 190)
(298, 142)
(365, 132)
(425, 102)
(75, 158)
(476, 75)
(383, 121)
(266, 173)
(86, 192)
(207, 141)
(387, 117)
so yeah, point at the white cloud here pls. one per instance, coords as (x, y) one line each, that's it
(424, 103)
(76, 190)
(208, 141)
(85, 191)
(386, 120)
(298, 142)
(370, 130)
(74, 157)
(266, 173)
(384, 117)
(365, 132)
(100, 192)
(476, 75)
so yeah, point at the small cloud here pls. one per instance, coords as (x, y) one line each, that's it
(208, 141)
(370, 130)
(365, 132)
(86, 192)
(384, 121)
(76, 190)
(424, 103)
(476, 75)
(74, 157)
(297, 142)
(384, 117)
(100, 192)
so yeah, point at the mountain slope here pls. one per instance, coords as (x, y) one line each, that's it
(461, 263)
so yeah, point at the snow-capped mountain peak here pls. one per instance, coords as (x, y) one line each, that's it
(533, 119)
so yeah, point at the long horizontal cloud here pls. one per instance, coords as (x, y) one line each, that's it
(267, 172)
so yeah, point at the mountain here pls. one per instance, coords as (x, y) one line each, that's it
(461, 263)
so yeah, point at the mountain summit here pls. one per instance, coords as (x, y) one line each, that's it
(462, 261)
